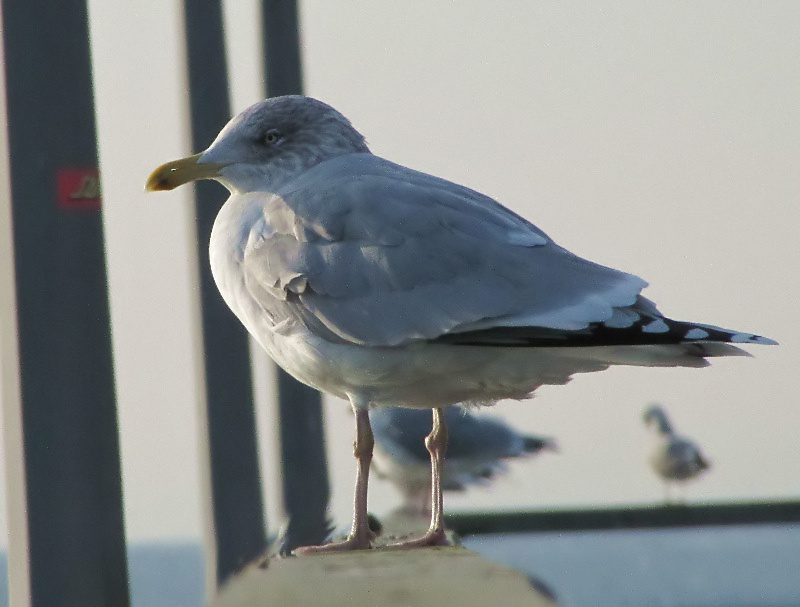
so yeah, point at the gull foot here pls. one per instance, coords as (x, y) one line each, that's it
(433, 537)
(351, 543)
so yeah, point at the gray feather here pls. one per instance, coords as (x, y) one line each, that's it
(379, 242)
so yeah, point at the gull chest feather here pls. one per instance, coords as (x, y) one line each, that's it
(229, 237)
(241, 222)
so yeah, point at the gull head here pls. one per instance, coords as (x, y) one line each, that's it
(656, 419)
(266, 145)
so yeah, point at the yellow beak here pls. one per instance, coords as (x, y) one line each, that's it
(172, 174)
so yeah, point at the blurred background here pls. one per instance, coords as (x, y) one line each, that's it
(658, 138)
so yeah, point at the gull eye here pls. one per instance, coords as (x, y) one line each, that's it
(272, 136)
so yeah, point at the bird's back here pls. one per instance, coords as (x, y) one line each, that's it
(677, 458)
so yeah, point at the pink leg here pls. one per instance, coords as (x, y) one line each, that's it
(360, 536)
(436, 442)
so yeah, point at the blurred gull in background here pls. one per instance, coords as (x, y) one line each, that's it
(478, 446)
(675, 458)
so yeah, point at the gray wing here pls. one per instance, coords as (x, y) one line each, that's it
(480, 436)
(401, 432)
(470, 437)
(368, 252)
(685, 458)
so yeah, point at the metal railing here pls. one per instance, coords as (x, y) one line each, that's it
(67, 544)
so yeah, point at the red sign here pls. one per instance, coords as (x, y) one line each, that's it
(78, 189)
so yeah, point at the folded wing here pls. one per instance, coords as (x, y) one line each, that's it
(371, 253)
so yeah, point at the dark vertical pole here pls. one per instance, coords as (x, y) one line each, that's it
(76, 543)
(304, 466)
(237, 510)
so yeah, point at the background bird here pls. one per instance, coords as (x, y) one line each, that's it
(675, 458)
(387, 286)
(477, 450)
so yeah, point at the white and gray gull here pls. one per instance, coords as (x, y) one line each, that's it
(674, 458)
(478, 447)
(387, 286)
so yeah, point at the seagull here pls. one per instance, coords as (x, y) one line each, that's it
(383, 285)
(674, 457)
(476, 450)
